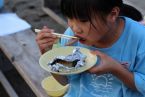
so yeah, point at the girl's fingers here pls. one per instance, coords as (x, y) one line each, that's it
(44, 30)
(44, 46)
(42, 36)
(46, 40)
(96, 52)
(47, 30)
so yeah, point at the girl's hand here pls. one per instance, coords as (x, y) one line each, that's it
(45, 39)
(106, 64)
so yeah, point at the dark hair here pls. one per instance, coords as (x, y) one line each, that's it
(131, 12)
(85, 9)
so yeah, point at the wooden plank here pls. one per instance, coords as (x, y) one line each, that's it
(23, 52)
(54, 16)
(9, 89)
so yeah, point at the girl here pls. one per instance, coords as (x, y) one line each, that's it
(118, 41)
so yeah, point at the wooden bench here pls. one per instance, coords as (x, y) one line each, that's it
(22, 50)
(53, 15)
(7, 86)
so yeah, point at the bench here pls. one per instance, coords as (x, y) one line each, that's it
(9, 89)
(21, 49)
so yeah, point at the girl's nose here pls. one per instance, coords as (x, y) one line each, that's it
(74, 26)
(76, 29)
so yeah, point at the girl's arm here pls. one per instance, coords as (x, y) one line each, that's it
(109, 65)
(124, 75)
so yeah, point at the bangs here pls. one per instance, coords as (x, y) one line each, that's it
(87, 9)
(75, 9)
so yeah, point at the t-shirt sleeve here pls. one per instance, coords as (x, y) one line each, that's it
(139, 74)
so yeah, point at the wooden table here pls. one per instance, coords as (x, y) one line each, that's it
(22, 50)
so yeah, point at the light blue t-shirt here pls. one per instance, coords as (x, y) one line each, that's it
(129, 48)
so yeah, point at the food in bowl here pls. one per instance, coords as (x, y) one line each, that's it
(69, 62)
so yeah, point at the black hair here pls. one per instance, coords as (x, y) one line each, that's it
(85, 9)
(131, 12)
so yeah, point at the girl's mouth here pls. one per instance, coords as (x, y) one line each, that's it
(72, 41)
(81, 39)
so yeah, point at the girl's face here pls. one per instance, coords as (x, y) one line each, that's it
(97, 34)
(89, 34)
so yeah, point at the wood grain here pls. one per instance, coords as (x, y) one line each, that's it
(22, 50)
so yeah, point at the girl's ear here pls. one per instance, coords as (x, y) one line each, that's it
(114, 14)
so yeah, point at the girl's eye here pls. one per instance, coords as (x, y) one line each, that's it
(83, 20)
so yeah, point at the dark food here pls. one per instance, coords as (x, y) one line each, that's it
(61, 61)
